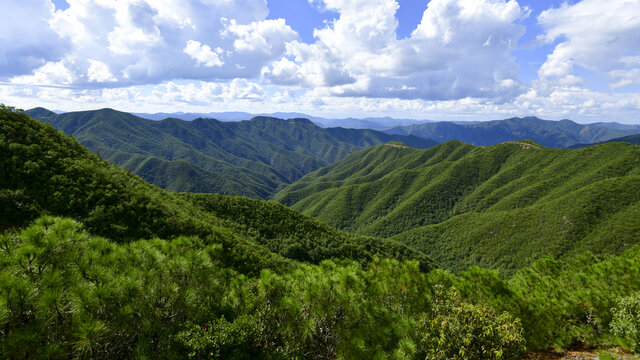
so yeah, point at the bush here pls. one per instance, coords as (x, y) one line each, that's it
(626, 321)
(458, 330)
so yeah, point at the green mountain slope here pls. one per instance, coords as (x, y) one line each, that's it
(559, 134)
(250, 158)
(500, 206)
(45, 171)
(104, 286)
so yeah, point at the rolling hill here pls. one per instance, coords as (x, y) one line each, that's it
(96, 263)
(251, 158)
(47, 172)
(559, 134)
(500, 206)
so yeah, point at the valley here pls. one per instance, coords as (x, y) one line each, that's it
(396, 251)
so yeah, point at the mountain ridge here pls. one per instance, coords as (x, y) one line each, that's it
(467, 205)
(262, 154)
(550, 133)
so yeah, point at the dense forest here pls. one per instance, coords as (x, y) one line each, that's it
(96, 263)
(250, 158)
(501, 206)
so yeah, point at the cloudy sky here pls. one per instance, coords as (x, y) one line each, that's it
(438, 59)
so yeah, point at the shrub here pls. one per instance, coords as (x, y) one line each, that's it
(458, 330)
(626, 321)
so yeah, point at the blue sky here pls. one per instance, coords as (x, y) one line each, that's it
(438, 59)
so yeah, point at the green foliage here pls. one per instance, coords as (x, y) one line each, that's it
(558, 302)
(458, 330)
(45, 171)
(215, 286)
(65, 293)
(498, 207)
(249, 158)
(626, 320)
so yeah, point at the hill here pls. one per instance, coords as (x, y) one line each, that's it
(559, 134)
(499, 207)
(631, 139)
(134, 271)
(250, 158)
(47, 172)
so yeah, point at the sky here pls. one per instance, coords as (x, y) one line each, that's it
(438, 59)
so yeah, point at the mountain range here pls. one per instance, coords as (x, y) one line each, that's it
(97, 263)
(560, 134)
(500, 206)
(376, 123)
(251, 158)
(49, 172)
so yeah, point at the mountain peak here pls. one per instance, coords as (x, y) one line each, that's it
(40, 112)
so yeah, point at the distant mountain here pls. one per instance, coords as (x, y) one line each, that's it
(222, 116)
(377, 123)
(618, 126)
(561, 134)
(251, 158)
(500, 206)
(632, 139)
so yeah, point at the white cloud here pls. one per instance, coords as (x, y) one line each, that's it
(599, 35)
(202, 54)
(51, 73)
(99, 72)
(148, 41)
(460, 49)
(267, 37)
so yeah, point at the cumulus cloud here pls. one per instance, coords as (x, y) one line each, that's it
(99, 72)
(144, 41)
(599, 35)
(202, 54)
(460, 49)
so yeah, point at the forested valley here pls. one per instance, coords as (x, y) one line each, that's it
(97, 263)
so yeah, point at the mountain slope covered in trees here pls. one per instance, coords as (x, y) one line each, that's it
(500, 206)
(560, 134)
(128, 270)
(251, 158)
(47, 172)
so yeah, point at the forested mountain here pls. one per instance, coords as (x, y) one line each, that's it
(560, 134)
(251, 158)
(47, 172)
(499, 207)
(128, 270)
(632, 139)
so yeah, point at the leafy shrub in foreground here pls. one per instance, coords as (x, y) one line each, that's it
(457, 330)
(626, 320)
